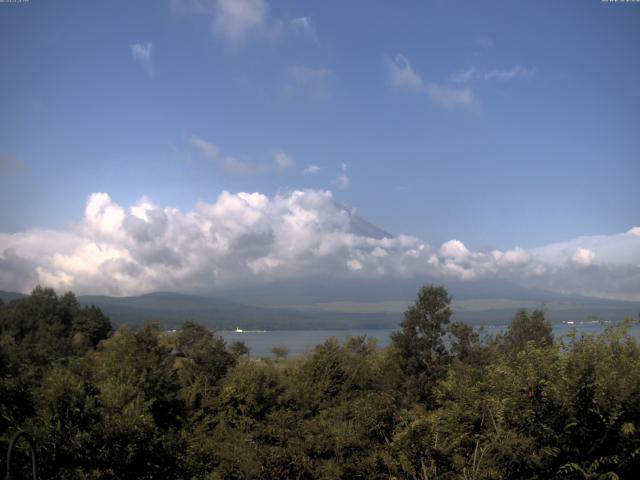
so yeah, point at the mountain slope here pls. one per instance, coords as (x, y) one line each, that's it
(8, 296)
(336, 304)
(484, 301)
(325, 289)
(171, 309)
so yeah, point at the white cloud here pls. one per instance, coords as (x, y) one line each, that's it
(402, 76)
(516, 257)
(342, 181)
(235, 20)
(103, 218)
(302, 26)
(312, 83)
(472, 74)
(634, 231)
(250, 237)
(454, 249)
(506, 75)
(208, 150)
(141, 53)
(464, 76)
(283, 160)
(233, 164)
(239, 166)
(583, 257)
(450, 97)
(311, 169)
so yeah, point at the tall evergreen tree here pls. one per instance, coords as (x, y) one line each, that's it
(418, 346)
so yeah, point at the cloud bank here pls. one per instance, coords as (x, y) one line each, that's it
(245, 238)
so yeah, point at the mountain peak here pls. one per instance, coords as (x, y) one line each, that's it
(359, 226)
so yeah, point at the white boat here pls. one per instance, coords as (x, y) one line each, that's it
(238, 330)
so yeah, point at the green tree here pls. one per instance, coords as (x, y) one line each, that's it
(418, 345)
(280, 351)
(92, 324)
(205, 364)
(464, 339)
(528, 328)
(139, 396)
(322, 375)
(239, 349)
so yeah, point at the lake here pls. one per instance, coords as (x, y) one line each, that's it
(298, 342)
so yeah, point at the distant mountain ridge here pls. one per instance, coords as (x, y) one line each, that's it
(336, 288)
(492, 304)
(171, 309)
(8, 296)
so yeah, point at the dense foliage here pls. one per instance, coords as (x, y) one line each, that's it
(136, 404)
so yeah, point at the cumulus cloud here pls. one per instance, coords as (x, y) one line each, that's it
(311, 169)
(401, 75)
(141, 53)
(17, 273)
(236, 238)
(249, 237)
(455, 250)
(583, 257)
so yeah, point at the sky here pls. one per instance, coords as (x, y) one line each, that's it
(195, 143)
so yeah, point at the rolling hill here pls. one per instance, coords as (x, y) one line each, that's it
(480, 303)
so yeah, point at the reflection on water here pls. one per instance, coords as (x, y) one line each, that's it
(300, 341)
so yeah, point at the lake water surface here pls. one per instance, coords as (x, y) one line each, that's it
(300, 341)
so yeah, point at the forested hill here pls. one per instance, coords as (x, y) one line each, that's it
(8, 296)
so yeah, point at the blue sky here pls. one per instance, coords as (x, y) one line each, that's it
(499, 124)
